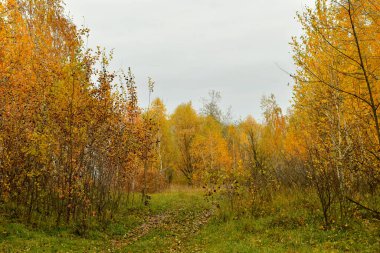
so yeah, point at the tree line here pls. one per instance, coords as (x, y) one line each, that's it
(75, 145)
(72, 136)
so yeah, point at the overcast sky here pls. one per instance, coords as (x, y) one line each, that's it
(192, 46)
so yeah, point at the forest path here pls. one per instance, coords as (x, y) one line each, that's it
(168, 229)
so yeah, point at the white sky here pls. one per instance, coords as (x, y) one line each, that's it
(192, 46)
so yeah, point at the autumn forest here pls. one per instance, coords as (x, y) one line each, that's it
(85, 168)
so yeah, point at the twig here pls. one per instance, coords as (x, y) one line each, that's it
(376, 213)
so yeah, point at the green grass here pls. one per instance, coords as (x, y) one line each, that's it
(17, 238)
(260, 235)
(292, 223)
(180, 223)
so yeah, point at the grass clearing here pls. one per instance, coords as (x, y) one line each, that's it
(181, 220)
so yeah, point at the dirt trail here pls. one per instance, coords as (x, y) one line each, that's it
(135, 234)
(188, 227)
(180, 223)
